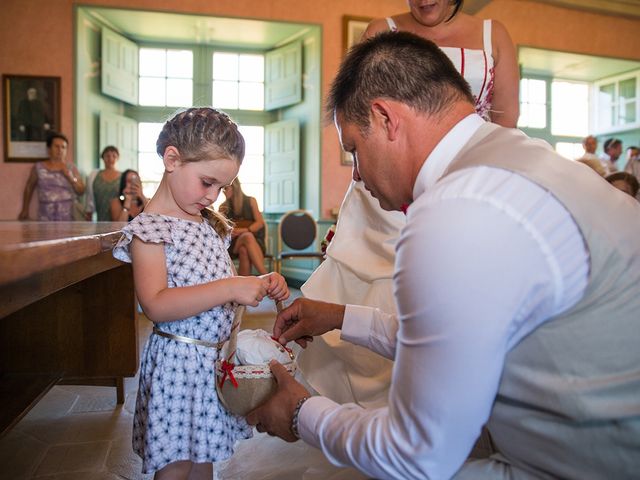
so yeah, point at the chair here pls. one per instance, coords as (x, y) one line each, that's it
(297, 231)
(268, 257)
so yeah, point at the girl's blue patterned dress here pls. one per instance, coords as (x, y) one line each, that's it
(178, 415)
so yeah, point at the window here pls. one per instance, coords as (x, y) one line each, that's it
(166, 77)
(533, 103)
(617, 103)
(150, 166)
(569, 109)
(570, 150)
(238, 81)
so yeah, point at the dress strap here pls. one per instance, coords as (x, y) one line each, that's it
(392, 25)
(486, 38)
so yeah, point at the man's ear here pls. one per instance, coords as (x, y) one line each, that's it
(171, 158)
(384, 114)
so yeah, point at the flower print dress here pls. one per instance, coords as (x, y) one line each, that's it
(178, 415)
(55, 195)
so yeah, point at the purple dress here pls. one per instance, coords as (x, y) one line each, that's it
(55, 195)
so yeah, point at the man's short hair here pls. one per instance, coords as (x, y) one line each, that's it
(398, 66)
(611, 143)
(53, 135)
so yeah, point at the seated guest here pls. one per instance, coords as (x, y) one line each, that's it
(247, 244)
(590, 158)
(633, 164)
(612, 151)
(130, 200)
(58, 183)
(624, 181)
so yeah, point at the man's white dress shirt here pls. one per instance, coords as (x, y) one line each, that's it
(485, 258)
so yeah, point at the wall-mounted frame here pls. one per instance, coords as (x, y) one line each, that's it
(352, 30)
(31, 109)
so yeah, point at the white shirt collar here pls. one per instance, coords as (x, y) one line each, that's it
(445, 151)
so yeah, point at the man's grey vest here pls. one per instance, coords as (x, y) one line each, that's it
(568, 403)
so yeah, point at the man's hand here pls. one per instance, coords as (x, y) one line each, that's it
(276, 414)
(306, 318)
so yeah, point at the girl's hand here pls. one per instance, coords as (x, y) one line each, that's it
(278, 289)
(249, 290)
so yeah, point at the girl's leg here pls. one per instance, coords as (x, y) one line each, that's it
(244, 267)
(175, 471)
(201, 471)
(248, 241)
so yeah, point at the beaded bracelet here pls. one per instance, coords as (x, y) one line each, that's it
(296, 414)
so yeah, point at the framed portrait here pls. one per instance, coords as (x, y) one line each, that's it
(352, 30)
(31, 109)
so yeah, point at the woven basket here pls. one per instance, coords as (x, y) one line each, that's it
(242, 388)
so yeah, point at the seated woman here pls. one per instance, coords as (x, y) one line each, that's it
(130, 200)
(247, 244)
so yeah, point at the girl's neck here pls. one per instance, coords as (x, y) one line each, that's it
(163, 203)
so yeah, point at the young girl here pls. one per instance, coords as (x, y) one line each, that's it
(184, 283)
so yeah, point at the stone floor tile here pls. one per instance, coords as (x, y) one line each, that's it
(73, 458)
(20, 455)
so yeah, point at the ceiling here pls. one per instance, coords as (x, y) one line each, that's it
(571, 66)
(176, 28)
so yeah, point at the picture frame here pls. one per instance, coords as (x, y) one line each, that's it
(352, 30)
(31, 110)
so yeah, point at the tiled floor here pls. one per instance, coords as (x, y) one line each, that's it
(78, 432)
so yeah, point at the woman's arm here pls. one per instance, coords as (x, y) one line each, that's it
(505, 106)
(120, 211)
(73, 176)
(32, 181)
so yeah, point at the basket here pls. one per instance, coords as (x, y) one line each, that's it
(242, 388)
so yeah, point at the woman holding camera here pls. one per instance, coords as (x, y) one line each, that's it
(130, 200)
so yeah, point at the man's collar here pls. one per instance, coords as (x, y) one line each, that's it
(445, 151)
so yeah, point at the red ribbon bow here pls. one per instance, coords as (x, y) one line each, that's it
(227, 368)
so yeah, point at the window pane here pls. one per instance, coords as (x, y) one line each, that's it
(179, 92)
(570, 150)
(537, 91)
(152, 62)
(252, 169)
(225, 94)
(253, 139)
(628, 113)
(627, 89)
(523, 119)
(148, 135)
(225, 66)
(537, 116)
(251, 96)
(252, 68)
(569, 109)
(180, 63)
(152, 91)
(150, 167)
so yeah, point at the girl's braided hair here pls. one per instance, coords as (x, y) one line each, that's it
(203, 133)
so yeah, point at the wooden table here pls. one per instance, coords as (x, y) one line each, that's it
(67, 312)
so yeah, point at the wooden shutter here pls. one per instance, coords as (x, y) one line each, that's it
(122, 132)
(119, 67)
(283, 76)
(282, 167)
